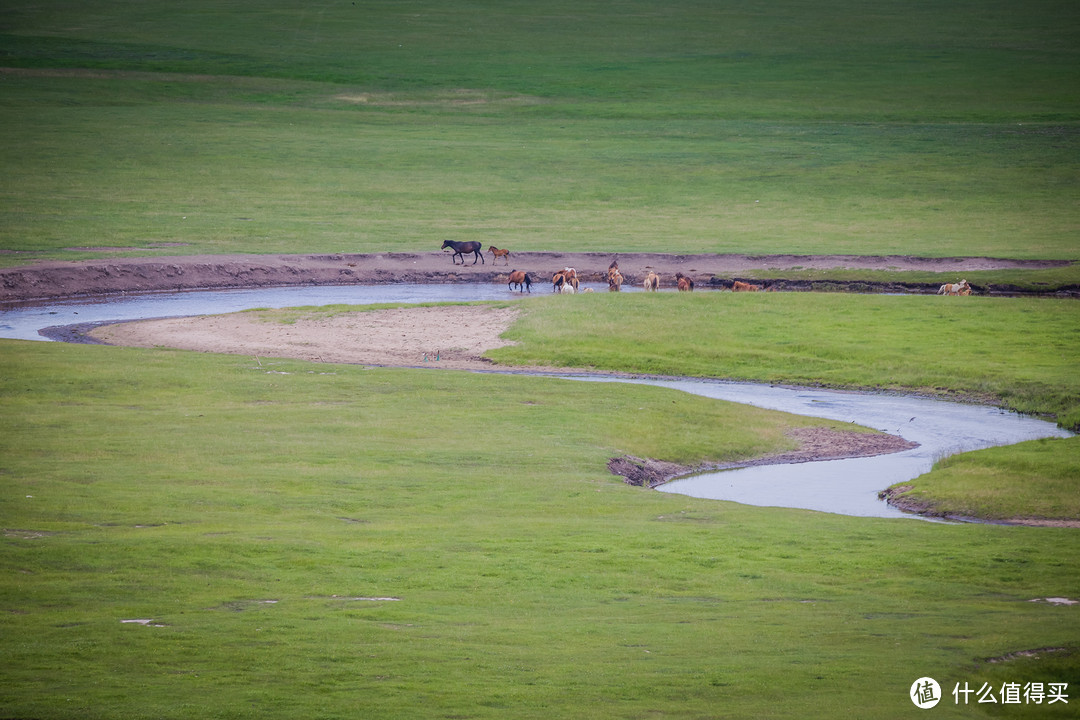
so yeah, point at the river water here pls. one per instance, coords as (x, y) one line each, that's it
(848, 487)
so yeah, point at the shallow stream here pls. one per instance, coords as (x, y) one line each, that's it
(848, 487)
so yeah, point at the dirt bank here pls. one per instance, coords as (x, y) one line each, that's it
(815, 443)
(898, 497)
(416, 337)
(57, 279)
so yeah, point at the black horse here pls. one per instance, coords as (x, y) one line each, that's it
(461, 248)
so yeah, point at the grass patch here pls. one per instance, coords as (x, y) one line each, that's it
(1036, 480)
(1046, 281)
(1019, 352)
(208, 129)
(257, 518)
(250, 514)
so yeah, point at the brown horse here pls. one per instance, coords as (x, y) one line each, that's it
(652, 282)
(684, 283)
(505, 254)
(615, 280)
(565, 281)
(462, 248)
(521, 279)
(739, 286)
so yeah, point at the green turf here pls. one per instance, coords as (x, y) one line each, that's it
(1021, 352)
(328, 541)
(922, 129)
(193, 490)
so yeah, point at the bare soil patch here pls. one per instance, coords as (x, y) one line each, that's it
(447, 337)
(433, 337)
(63, 279)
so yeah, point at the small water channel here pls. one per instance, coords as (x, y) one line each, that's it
(851, 487)
(848, 487)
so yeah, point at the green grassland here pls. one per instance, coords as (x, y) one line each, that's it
(259, 516)
(1018, 351)
(255, 514)
(687, 127)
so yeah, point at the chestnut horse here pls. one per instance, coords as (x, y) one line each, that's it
(499, 254)
(565, 281)
(684, 283)
(463, 248)
(614, 280)
(739, 286)
(521, 279)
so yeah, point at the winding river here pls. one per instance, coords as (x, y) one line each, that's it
(848, 487)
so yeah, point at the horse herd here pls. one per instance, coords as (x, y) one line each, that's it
(566, 281)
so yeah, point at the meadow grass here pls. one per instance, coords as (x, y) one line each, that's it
(1036, 479)
(333, 541)
(696, 127)
(251, 514)
(1020, 352)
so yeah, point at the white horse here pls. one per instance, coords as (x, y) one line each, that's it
(960, 288)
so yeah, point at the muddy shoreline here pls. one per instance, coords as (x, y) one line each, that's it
(897, 497)
(323, 341)
(55, 280)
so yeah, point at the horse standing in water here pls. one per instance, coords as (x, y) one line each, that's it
(614, 280)
(463, 248)
(521, 279)
(565, 281)
(684, 283)
(652, 282)
(739, 286)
